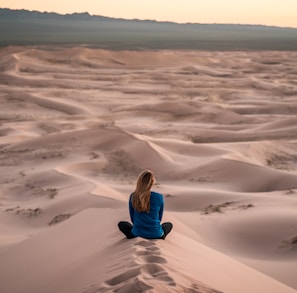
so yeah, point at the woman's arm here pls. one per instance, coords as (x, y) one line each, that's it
(161, 208)
(131, 209)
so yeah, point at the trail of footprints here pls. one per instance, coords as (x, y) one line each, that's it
(145, 264)
(143, 269)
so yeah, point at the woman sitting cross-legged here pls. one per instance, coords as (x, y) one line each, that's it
(146, 211)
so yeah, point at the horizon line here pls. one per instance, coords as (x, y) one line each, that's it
(153, 20)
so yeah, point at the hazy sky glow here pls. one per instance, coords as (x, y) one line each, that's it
(267, 12)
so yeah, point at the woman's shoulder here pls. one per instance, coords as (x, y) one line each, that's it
(156, 194)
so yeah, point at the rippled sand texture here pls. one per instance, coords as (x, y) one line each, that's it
(219, 129)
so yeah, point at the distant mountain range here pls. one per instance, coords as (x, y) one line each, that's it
(23, 27)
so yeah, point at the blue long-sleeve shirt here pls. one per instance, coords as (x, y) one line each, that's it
(148, 224)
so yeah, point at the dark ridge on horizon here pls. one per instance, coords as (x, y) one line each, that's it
(86, 15)
(24, 27)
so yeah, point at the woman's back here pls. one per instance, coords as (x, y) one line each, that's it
(148, 224)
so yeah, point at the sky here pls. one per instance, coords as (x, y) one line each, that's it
(267, 12)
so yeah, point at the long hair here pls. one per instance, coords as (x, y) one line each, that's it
(142, 193)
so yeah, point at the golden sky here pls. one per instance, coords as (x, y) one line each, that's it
(267, 12)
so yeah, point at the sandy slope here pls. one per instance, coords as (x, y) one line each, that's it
(217, 128)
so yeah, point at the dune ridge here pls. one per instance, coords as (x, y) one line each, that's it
(218, 129)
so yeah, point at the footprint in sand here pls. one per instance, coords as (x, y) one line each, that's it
(129, 281)
(147, 252)
(152, 259)
(146, 243)
(200, 288)
(123, 277)
(136, 286)
(149, 245)
(158, 273)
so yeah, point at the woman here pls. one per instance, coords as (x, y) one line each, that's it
(146, 211)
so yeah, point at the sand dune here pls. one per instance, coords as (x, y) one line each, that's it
(217, 128)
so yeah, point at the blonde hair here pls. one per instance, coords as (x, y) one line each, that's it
(142, 193)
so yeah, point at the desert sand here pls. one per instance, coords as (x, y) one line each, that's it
(218, 129)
